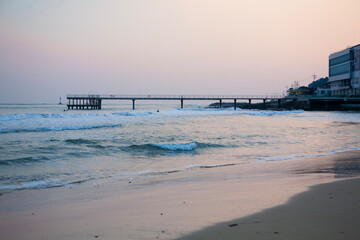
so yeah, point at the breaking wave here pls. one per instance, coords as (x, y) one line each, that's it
(53, 122)
(171, 147)
(268, 113)
(28, 116)
(177, 147)
(57, 129)
(34, 116)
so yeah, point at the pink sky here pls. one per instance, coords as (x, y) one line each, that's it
(51, 48)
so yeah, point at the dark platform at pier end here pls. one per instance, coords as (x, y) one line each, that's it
(83, 102)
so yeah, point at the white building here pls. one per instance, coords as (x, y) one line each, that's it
(344, 72)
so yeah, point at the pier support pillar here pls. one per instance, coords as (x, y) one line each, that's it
(249, 103)
(293, 103)
(326, 105)
(264, 103)
(220, 106)
(309, 102)
(182, 103)
(133, 101)
(234, 104)
(279, 102)
(99, 103)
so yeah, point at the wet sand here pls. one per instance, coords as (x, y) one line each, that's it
(326, 211)
(173, 205)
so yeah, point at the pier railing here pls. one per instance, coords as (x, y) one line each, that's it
(172, 97)
(93, 101)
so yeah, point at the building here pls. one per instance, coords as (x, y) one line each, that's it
(322, 91)
(344, 72)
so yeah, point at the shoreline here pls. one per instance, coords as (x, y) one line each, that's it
(259, 161)
(166, 206)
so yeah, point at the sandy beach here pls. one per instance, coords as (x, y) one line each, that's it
(253, 201)
(326, 211)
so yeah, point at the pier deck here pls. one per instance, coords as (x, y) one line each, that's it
(91, 101)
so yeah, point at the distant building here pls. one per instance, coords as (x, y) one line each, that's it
(320, 87)
(322, 91)
(300, 91)
(344, 72)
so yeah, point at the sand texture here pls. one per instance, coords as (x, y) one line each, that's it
(326, 211)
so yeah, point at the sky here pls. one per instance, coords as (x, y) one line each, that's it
(51, 48)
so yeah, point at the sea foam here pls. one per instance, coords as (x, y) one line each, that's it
(291, 157)
(178, 146)
(170, 147)
(57, 129)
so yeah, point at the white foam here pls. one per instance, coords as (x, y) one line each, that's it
(28, 116)
(283, 158)
(132, 114)
(226, 112)
(178, 146)
(57, 129)
(33, 185)
(38, 122)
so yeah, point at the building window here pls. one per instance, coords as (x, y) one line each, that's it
(339, 60)
(345, 83)
(341, 69)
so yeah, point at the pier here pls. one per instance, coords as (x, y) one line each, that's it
(309, 102)
(91, 101)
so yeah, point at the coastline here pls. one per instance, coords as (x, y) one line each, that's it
(167, 206)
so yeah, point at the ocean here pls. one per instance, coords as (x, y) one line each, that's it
(45, 146)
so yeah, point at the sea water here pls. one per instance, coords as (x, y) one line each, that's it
(44, 146)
